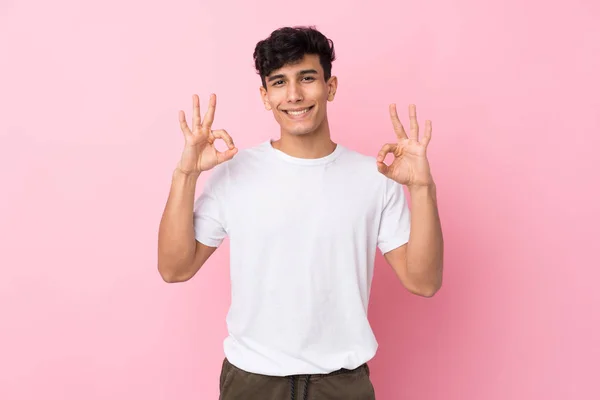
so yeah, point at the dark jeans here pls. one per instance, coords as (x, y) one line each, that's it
(344, 384)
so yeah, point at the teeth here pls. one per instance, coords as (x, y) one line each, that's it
(298, 112)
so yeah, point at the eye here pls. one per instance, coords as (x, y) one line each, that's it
(278, 83)
(310, 78)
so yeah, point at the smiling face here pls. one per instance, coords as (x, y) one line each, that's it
(298, 94)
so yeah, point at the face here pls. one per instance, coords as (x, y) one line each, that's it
(298, 95)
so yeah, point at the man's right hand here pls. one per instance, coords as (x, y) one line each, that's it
(200, 153)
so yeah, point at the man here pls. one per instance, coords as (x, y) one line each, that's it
(305, 217)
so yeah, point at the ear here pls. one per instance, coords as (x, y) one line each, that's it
(265, 100)
(332, 85)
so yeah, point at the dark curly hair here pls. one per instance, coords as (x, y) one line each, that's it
(289, 45)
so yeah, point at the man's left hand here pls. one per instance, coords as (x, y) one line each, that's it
(410, 166)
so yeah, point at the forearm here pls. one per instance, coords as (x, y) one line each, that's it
(176, 241)
(426, 245)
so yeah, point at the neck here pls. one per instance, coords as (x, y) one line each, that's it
(316, 144)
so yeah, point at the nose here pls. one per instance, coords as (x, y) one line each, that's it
(294, 93)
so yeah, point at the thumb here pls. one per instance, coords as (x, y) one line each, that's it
(383, 168)
(226, 155)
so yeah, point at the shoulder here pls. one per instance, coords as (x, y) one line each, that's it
(222, 174)
(363, 169)
(248, 156)
(361, 165)
(357, 158)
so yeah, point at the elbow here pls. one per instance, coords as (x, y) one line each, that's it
(166, 275)
(428, 288)
(170, 274)
(174, 269)
(428, 291)
(168, 278)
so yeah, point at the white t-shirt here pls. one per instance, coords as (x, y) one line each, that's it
(303, 236)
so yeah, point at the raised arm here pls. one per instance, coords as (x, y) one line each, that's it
(180, 256)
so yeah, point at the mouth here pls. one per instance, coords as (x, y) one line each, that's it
(298, 113)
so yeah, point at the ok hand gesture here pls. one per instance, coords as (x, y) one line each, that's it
(410, 166)
(200, 153)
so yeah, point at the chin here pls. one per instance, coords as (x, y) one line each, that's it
(301, 131)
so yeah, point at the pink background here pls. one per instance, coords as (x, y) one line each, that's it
(89, 95)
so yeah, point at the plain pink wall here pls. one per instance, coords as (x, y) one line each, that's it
(89, 94)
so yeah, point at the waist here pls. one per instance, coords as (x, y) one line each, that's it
(363, 366)
(313, 358)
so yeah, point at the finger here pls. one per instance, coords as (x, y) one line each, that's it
(414, 126)
(209, 117)
(381, 165)
(387, 148)
(427, 134)
(226, 155)
(211, 138)
(196, 122)
(183, 124)
(222, 134)
(384, 169)
(398, 128)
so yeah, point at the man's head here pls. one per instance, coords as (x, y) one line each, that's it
(295, 69)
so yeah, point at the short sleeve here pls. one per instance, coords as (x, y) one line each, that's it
(394, 228)
(209, 215)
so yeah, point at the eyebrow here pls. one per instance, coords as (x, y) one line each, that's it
(303, 72)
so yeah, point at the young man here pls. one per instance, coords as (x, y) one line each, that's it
(305, 217)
